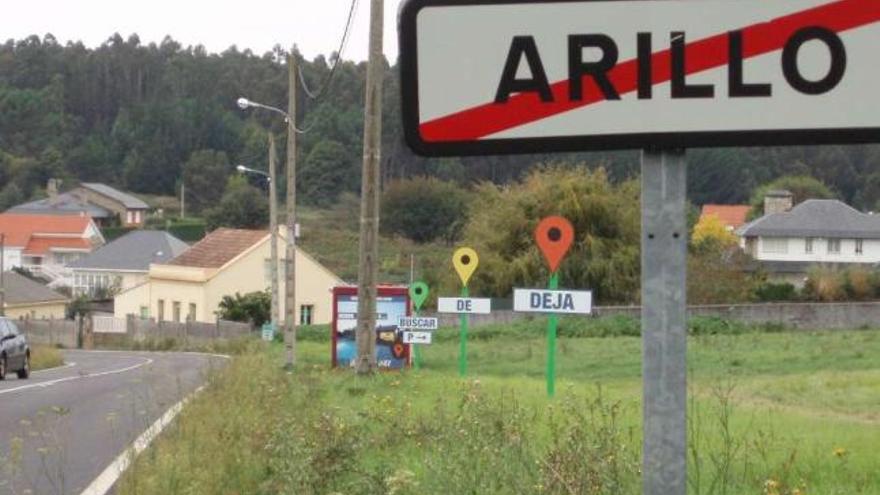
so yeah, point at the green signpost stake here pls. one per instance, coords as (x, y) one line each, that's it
(465, 261)
(554, 236)
(418, 292)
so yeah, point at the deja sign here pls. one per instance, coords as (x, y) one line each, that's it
(496, 76)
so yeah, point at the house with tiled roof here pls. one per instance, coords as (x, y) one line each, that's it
(28, 299)
(124, 262)
(46, 244)
(731, 216)
(788, 241)
(227, 261)
(106, 205)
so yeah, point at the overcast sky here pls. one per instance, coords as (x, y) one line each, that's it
(315, 26)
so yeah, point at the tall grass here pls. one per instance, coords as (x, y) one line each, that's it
(44, 357)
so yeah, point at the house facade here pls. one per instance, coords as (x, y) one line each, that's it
(46, 244)
(27, 299)
(131, 211)
(816, 232)
(224, 263)
(124, 262)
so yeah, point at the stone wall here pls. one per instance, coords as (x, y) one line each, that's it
(802, 316)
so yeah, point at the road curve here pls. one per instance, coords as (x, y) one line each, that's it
(62, 427)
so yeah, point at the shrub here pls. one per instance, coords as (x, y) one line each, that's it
(769, 291)
(824, 284)
(424, 209)
(859, 283)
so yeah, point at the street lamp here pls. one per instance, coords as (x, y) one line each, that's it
(290, 245)
(273, 224)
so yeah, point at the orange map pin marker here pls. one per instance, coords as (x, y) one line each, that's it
(554, 236)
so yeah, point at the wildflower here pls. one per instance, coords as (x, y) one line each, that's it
(840, 452)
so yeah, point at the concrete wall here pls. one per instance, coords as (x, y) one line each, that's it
(803, 316)
(50, 332)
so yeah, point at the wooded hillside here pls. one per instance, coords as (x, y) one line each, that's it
(133, 115)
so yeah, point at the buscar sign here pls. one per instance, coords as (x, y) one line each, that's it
(491, 76)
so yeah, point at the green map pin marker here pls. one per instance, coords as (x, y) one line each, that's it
(418, 292)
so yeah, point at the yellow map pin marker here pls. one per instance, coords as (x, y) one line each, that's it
(465, 261)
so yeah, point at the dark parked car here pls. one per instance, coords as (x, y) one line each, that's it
(15, 354)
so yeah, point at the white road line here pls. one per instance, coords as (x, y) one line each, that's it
(105, 481)
(77, 377)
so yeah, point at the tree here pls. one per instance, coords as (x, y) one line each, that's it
(253, 307)
(242, 206)
(802, 188)
(710, 234)
(326, 172)
(604, 256)
(201, 173)
(424, 209)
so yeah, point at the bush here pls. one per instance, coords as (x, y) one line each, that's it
(253, 307)
(824, 284)
(424, 209)
(768, 292)
(859, 283)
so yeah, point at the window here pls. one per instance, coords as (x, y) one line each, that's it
(160, 313)
(808, 245)
(137, 216)
(860, 247)
(775, 245)
(191, 316)
(833, 246)
(175, 311)
(306, 314)
(129, 217)
(145, 312)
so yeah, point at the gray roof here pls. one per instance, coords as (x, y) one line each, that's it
(816, 218)
(22, 290)
(133, 251)
(127, 200)
(63, 204)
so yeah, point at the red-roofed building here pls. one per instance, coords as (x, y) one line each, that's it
(46, 244)
(732, 216)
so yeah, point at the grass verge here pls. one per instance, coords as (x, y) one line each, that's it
(44, 357)
(769, 413)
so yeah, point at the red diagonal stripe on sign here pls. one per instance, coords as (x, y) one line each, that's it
(709, 53)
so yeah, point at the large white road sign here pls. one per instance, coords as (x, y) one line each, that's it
(495, 76)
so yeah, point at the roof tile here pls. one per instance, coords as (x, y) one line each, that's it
(219, 247)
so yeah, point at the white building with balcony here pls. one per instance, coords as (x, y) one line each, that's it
(787, 242)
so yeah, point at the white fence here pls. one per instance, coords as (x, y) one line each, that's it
(108, 324)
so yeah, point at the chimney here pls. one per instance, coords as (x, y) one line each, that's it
(52, 188)
(777, 202)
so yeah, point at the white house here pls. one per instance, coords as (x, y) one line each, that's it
(827, 232)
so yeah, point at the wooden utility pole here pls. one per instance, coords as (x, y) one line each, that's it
(369, 239)
(274, 318)
(290, 251)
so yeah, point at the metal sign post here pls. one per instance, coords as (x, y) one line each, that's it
(664, 322)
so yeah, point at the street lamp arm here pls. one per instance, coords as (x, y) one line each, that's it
(242, 169)
(244, 103)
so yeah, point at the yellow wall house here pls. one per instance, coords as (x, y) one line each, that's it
(26, 299)
(226, 262)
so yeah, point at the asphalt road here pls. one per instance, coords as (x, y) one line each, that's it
(62, 427)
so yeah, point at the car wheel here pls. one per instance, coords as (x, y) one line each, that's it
(25, 370)
(2, 367)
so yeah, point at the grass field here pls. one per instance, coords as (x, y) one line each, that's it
(769, 413)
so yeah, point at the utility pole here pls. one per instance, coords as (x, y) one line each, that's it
(182, 199)
(273, 228)
(2, 271)
(290, 251)
(369, 235)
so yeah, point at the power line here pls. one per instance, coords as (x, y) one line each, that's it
(316, 95)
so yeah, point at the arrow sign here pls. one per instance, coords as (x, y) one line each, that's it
(553, 301)
(417, 337)
(464, 305)
(504, 76)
